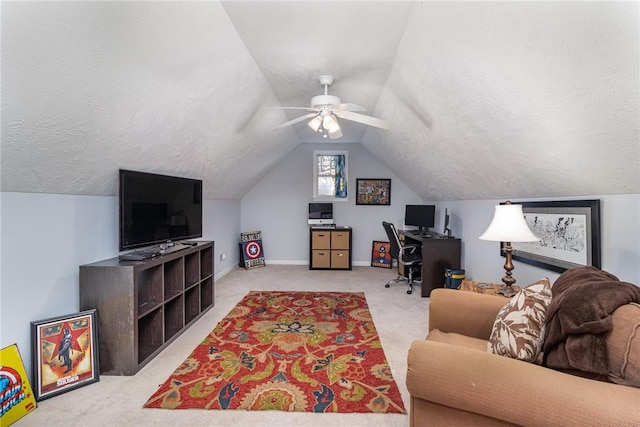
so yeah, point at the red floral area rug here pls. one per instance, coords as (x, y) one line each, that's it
(287, 351)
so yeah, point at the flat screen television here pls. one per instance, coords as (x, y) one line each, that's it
(320, 213)
(158, 209)
(421, 216)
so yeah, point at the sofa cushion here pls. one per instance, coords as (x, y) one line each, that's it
(623, 346)
(457, 339)
(518, 331)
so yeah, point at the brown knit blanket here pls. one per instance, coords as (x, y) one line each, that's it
(578, 317)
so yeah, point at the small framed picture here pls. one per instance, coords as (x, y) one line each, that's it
(381, 254)
(373, 191)
(65, 353)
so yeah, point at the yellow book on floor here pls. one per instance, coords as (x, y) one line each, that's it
(16, 395)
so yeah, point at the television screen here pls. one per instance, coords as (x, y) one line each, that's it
(421, 216)
(158, 208)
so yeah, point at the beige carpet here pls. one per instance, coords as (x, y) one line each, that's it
(117, 401)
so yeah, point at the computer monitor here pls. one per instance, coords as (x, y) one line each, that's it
(421, 216)
(320, 213)
(447, 229)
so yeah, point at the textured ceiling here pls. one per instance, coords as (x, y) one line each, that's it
(486, 100)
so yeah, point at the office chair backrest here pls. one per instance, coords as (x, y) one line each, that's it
(394, 241)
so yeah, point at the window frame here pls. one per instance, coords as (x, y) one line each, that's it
(317, 153)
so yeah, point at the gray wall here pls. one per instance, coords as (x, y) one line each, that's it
(46, 237)
(277, 206)
(620, 239)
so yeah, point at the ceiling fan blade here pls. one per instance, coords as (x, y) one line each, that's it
(361, 118)
(294, 121)
(347, 106)
(295, 108)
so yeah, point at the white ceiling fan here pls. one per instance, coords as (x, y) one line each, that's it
(325, 112)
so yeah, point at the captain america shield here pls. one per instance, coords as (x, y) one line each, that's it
(252, 249)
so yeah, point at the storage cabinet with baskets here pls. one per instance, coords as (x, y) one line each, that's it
(330, 248)
(142, 306)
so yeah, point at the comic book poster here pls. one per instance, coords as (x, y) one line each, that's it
(65, 354)
(251, 253)
(16, 396)
(381, 255)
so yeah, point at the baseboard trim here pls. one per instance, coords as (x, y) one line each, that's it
(286, 262)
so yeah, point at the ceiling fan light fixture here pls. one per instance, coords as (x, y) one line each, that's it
(330, 123)
(323, 100)
(335, 134)
(325, 110)
(315, 123)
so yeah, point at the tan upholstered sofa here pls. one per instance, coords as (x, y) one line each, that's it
(453, 380)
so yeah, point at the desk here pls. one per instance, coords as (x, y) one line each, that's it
(438, 253)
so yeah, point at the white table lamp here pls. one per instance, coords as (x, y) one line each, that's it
(508, 225)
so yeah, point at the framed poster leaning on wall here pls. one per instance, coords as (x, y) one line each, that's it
(381, 254)
(65, 353)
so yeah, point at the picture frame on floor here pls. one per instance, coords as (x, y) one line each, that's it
(65, 353)
(381, 254)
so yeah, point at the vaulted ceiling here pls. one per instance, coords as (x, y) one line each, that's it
(485, 99)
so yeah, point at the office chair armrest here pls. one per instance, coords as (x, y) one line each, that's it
(412, 248)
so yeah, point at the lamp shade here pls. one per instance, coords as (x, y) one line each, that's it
(330, 123)
(335, 134)
(509, 225)
(315, 123)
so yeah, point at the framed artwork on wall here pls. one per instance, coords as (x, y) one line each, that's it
(569, 232)
(381, 254)
(373, 191)
(65, 353)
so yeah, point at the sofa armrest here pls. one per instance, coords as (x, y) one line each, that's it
(467, 313)
(514, 391)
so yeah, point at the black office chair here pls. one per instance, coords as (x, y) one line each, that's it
(407, 255)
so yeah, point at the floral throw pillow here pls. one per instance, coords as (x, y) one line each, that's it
(518, 331)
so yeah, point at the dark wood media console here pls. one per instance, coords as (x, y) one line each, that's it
(142, 306)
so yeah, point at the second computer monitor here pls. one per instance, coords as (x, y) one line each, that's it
(421, 216)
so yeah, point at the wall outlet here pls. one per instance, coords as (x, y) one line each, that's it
(223, 256)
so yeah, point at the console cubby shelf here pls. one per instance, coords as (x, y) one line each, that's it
(142, 306)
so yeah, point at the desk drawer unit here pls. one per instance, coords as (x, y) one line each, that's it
(330, 249)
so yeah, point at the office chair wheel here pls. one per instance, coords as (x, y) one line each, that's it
(387, 285)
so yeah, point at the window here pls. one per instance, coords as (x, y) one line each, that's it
(330, 175)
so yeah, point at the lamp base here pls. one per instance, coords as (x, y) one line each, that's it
(507, 291)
